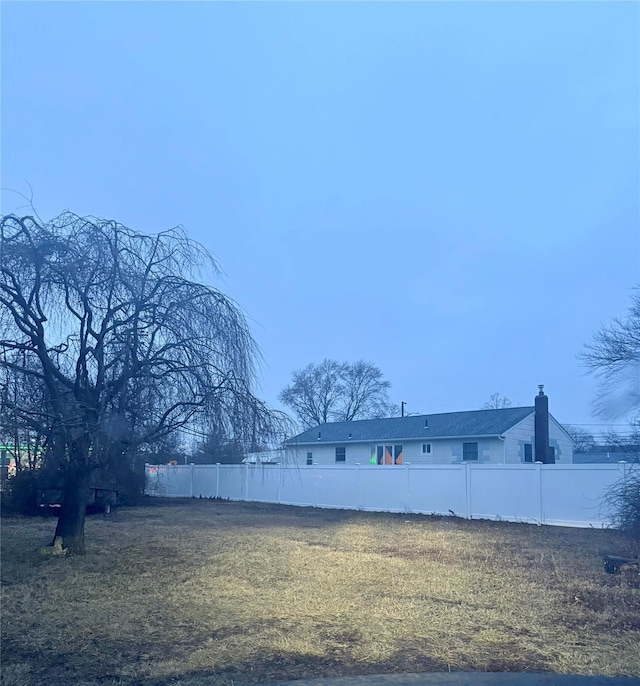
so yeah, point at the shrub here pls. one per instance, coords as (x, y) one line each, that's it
(624, 499)
(21, 494)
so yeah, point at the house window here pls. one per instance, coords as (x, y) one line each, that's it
(470, 451)
(397, 454)
(341, 454)
(387, 454)
(528, 452)
(426, 448)
(309, 458)
(552, 455)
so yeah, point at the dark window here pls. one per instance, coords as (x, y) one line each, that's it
(309, 458)
(552, 455)
(387, 454)
(426, 447)
(470, 451)
(341, 454)
(528, 452)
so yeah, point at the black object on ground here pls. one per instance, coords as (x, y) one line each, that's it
(613, 563)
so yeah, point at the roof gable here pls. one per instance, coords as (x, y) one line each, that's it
(447, 425)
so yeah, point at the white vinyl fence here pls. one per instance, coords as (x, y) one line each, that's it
(562, 495)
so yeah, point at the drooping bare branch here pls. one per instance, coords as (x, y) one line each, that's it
(124, 337)
(613, 356)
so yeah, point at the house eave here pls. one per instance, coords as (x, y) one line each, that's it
(346, 441)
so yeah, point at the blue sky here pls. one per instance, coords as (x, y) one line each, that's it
(449, 190)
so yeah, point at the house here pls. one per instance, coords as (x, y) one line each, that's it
(510, 435)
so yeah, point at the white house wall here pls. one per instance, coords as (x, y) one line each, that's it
(449, 451)
(524, 432)
(516, 437)
(559, 439)
(443, 451)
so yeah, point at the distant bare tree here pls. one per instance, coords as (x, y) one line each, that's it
(613, 356)
(124, 341)
(625, 441)
(583, 439)
(337, 392)
(496, 402)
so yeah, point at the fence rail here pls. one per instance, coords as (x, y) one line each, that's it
(562, 495)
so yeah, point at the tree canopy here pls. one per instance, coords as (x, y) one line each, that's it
(337, 392)
(584, 440)
(122, 343)
(496, 401)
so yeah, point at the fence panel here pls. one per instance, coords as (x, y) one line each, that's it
(437, 489)
(381, 488)
(204, 481)
(232, 484)
(264, 483)
(298, 485)
(571, 496)
(176, 481)
(510, 492)
(328, 486)
(567, 495)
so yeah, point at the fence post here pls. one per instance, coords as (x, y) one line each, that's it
(467, 490)
(408, 507)
(357, 487)
(217, 479)
(191, 482)
(279, 482)
(314, 495)
(246, 481)
(538, 466)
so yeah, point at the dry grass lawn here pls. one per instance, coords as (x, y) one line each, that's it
(196, 592)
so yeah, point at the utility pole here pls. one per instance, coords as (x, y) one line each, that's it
(402, 404)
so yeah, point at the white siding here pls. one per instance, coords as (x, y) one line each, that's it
(559, 440)
(443, 451)
(326, 453)
(449, 451)
(516, 437)
(524, 432)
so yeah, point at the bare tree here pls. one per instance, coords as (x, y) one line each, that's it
(126, 342)
(496, 402)
(582, 438)
(337, 392)
(625, 441)
(613, 356)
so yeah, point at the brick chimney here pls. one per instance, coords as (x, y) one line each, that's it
(542, 426)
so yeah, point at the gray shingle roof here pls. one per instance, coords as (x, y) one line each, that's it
(447, 425)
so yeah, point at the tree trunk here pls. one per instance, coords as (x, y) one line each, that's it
(73, 512)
